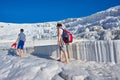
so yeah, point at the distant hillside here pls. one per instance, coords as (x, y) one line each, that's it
(104, 25)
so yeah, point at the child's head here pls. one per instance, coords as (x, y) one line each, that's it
(21, 30)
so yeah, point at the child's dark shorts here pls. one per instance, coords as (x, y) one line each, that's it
(20, 44)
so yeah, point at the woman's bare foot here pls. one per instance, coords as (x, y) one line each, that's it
(59, 60)
(65, 62)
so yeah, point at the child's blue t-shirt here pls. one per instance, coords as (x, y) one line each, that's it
(22, 36)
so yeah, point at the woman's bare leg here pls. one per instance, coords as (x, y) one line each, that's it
(61, 54)
(66, 57)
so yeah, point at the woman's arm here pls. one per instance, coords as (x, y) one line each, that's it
(59, 36)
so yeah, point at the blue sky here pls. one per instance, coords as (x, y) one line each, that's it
(34, 11)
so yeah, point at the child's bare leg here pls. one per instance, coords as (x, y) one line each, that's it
(19, 52)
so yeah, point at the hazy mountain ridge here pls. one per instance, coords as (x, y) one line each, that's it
(97, 26)
(33, 31)
(104, 25)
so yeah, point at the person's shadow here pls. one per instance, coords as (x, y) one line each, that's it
(45, 51)
(12, 52)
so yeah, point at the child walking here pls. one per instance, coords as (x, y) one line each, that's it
(21, 41)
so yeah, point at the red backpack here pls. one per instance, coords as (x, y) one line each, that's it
(67, 36)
